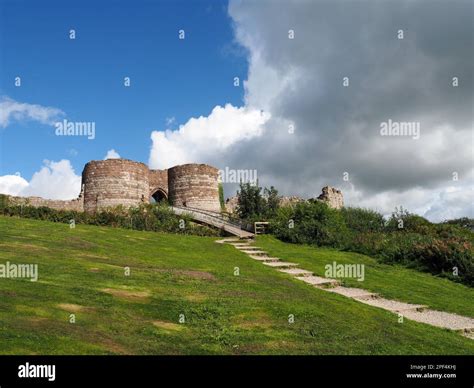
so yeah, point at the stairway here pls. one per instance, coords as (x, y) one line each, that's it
(414, 312)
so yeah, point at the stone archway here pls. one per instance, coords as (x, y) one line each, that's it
(158, 195)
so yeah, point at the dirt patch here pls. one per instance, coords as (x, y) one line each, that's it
(8, 293)
(255, 320)
(201, 275)
(94, 257)
(30, 247)
(127, 294)
(76, 242)
(95, 270)
(170, 326)
(196, 297)
(113, 346)
(73, 308)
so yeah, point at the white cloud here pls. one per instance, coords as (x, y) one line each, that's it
(112, 154)
(20, 111)
(204, 138)
(12, 184)
(55, 180)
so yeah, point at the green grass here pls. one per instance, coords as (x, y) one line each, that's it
(391, 281)
(82, 270)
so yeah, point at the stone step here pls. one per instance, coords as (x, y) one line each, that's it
(391, 305)
(247, 248)
(296, 272)
(442, 319)
(280, 264)
(254, 252)
(318, 281)
(265, 258)
(350, 292)
(227, 240)
(469, 333)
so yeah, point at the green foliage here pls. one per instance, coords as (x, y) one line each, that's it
(272, 201)
(221, 197)
(151, 217)
(3, 201)
(441, 249)
(363, 220)
(403, 221)
(255, 206)
(251, 203)
(310, 223)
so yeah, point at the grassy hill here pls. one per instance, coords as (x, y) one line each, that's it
(81, 272)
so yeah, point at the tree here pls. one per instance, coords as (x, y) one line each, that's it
(250, 202)
(272, 201)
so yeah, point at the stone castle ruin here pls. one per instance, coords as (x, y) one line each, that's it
(114, 182)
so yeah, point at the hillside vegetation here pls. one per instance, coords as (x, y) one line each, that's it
(229, 303)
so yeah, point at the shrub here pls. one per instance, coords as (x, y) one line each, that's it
(310, 223)
(363, 220)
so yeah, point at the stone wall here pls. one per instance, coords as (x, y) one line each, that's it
(158, 181)
(194, 185)
(73, 204)
(333, 197)
(114, 182)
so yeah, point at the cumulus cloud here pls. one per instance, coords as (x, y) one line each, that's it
(206, 139)
(12, 184)
(112, 154)
(21, 111)
(55, 180)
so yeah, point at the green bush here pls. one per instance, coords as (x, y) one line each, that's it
(363, 220)
(420, 244)
(310, 223)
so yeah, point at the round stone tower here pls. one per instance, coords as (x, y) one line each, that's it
(194, 186)
(114, 182)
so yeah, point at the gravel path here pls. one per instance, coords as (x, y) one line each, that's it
(414, 312)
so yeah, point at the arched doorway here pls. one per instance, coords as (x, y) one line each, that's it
(158, 195)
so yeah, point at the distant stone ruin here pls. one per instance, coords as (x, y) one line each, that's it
(331, 196)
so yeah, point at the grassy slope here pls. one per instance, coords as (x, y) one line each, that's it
(172, 275)
(391, 281)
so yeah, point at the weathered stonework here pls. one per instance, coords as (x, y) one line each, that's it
(194, 185)
(333, 197)
(113, 182)
(73, 204)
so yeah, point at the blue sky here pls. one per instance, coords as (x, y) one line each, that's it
(291, 80)
(84, 77)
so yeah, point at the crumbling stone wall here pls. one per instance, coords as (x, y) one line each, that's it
(333, 197)
(194, 185)
(114, 182)
(73, 204)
